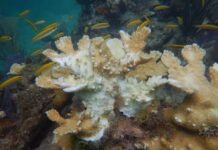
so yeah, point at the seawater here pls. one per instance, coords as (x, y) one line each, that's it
(65, 12)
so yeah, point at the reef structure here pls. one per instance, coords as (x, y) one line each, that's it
(199, 110)
(99, 72)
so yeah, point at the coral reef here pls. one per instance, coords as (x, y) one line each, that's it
(120, 92)
(199, 111)
(98, 72)
(16, 68)
(24, 105)
(117, 5)
(116, 85)
(154, 132)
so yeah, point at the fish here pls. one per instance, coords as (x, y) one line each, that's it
(202, 3)
(29, 22)
(4, 38)
(100, 25)
(46, 31)
(174, 45)
(179, 20)
(207, 26)
(44, 67)
(134, 22)
(107, 36)
(52, 25)
(24, 12)
(36, 52)
(10, 81)
(171, 25)
(145, 23)
(86, 29)
(60, 34)
(39, 22)
(70, 18)
(161, 7)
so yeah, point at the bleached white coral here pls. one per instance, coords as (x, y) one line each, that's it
(16, 68)
(98, 73)
(138, 94)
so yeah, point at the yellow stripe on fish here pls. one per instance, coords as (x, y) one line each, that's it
(10, 81)
(100, 25)
(29, 22)
(207, 26)
(36, 52)
(179, 20)
(134, 22)
(107, 36)
(58, 35)
(171, 26)
(161, 7)
(4, 38)
(44, 67)
(39, 22)
(24, 13)
(52, 25)
(202, 3)
(145, 23)
(86, 29)
(46, 31)
(174, 45)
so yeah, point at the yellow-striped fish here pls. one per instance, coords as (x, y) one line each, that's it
(179, 20)
(36, 52)
(10, 81)
(100, 25)
(207, 26)
(29, 22)
(86, 29)
(174, 45)
(4, 38)
(134, 22)
(39, 22)
(44, 67)
(69, 18)
(107, 36)
(145, 23)
(171, 25)
(52, 25)
(24, 13)
(202, 3)
(58, 35)
(161, 7)
(46, 31)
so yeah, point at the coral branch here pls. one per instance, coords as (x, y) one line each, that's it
(200, 109)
